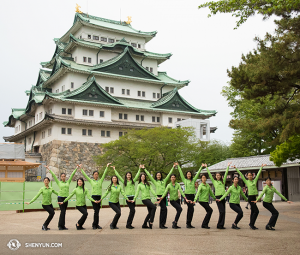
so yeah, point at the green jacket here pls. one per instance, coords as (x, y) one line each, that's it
(269, 193)
(46, 193)
(63, 186)
(160, 185)
(252, 189)
(235, 194)
(130, 187)
(219, 185)
(173, 191)
(189, 184)
(114, 193)
(96, 184)
(80, 196)
(145, 189)
(204, 191)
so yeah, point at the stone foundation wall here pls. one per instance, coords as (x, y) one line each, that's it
(63, 156)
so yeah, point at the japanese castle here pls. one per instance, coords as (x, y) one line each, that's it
(100, 82)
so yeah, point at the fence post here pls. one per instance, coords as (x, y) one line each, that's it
(23, 194)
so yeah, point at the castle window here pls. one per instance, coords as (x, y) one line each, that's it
(107, 133)
(133, 44)
(137, 117)
(153, 118)
(170, 120)
(123, 91)
(69, 131)
(63, 88)
(103, 133)
(120, 116)
(131, 69)
(178, 119)
(69, 111)
(72, 85)
(63, 131)
(89, 60)
(83, 131)
(147, 68)
(57, 91)
(101, 60)
(151, 69)
(84, 59)
(139, 93)
(154, 95)
(95, 37)
(63, 110)
(128, 92)
(139, 46)
(103, 39)
(142, 118)
(125, 116)
(91, 112)
(43, 134)
(90, 132)
(111, 40)
(49, 131)
(143, 93)
(89, 36)
(111, 90)
(120, 134)
(107, 89)
(101, 113)
(84, 112)
(158, 95)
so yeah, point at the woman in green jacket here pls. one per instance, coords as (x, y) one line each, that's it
(115, 189)
(160, 185)
(96, 193)
(145, 188)
(269, 191)
(189, 183)
(219, 184)
(46, 201)
(129, 184)
(203, 193)
(80, 193)
(173, 189)
(62, 195)
(235, 191)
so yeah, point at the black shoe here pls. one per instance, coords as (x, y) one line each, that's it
(65, 228)
(61, 228)
(221, 228)
(44, 228)
(252, 227)
(189, 226)
(234, 226)
(78, 227)
(174, 225)
(150, 225)
(164, 227)
(207, 227)
(268, 227)
(94, 227)
(98, 227)
(116, 227)
(111, 226)
(130, 227)
(255, 227)
(145, 226)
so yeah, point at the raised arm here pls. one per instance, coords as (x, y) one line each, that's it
(87, 193)
(71, 195)
(259, 172)
(181, 173)
(136, 193)
(103, 175)
(53, 175)
(210, 176)
(36, 196)
(150, 176)
(137, 175)
(169, 174)
(73, 173)
(226, 193)
(242, 176)
(226, 173)
(198, 173)
(119, 176)
(243, 195)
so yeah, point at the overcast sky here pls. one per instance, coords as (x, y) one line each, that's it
(203, 48)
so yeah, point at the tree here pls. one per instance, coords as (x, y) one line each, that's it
(157, 148)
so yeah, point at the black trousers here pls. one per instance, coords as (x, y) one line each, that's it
(163, 212)
(254, 210)
(151, 211)
(237, 208)
(131, 211)
(50, 210)
(96, 210)
(84, 212)
(63, 209)
(270, 207)
(222, 210)
(116, 207)
(190, 210)
(209, 212)
(177, 206)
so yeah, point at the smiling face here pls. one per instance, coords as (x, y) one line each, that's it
(158, 176)
(114, 180)
(203, 179)
(96, 175)
(46, 181)
(268, 182)
(250, 176)
(218, 177)
(173, 178)
(143, 177)
(236, 180)
(189, 175)
(79, 182)
(128, 176)
(63, 177)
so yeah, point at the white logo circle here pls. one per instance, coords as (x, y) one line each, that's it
(13, 244)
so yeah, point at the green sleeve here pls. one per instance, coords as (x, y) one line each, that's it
(150, 177)
(226, 193)
(181, 174)
(181, 191)
(198, 173)
(198, 193)
(103, 175)
(119, 176)
(136, 193)
(37, 195)
(54, 177)
(137, 175)
(87, 193)
(105, 194)
(242, 176)
(279, 194)
(225, 175)
(152, 191)
(72, 175)
(210, 176)
(243, 195)
(55, 192)
(168, 176)
(85, 175)
(212, 194)
(166, 191)
(262, 193)
(123, 193)
(258, 174)
(71, 195)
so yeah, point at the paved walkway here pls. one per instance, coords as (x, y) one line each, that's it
(26, 228)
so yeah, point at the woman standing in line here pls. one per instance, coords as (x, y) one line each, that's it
(115, 189)
(174, 188)
(160, 185)
(252, 194)
(62, 195)
(46, 192)
(96, 193)
(203, 193)
(235, 191)
(80, 193)
(269, 191)
(219, 184)
(189, 183)
(130, 191)
(145, 188)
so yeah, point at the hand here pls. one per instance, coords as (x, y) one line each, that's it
(60, 203)
(234, 166)
(192, 202)
(254, 202)
(79, 166)
(158, 201)
(290, 202)
(229, 163)
(262, 165)
(175, 164)
(97, 201)
(113, 167)
(203, 164)
(132, 201)
(27, 203)
(218, 200)
(108, 164)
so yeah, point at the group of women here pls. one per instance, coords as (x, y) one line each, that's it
(173, 188)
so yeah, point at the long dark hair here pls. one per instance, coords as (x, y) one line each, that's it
(187, 173)
(125, 179)
(140, 179)
(155, 177)
(82, 183)
(220, 175)
(111, 182)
